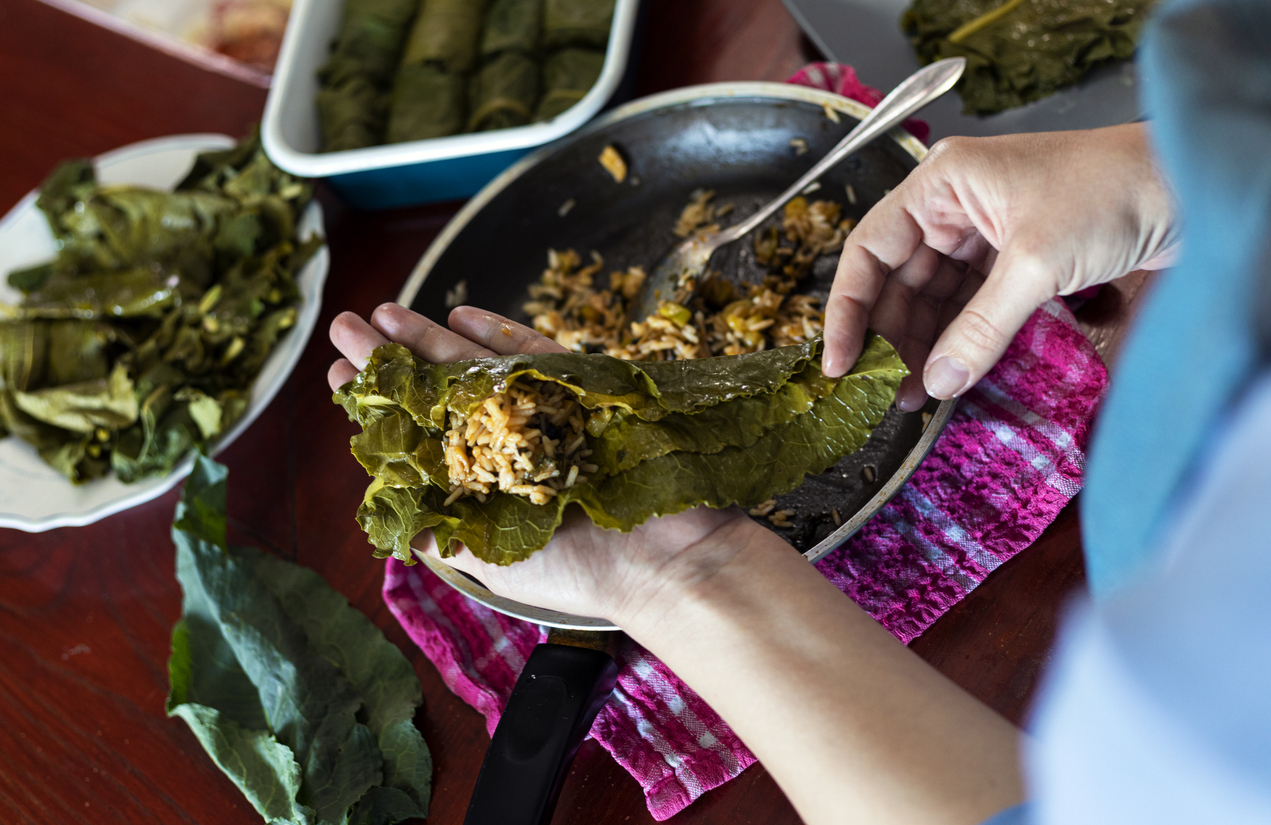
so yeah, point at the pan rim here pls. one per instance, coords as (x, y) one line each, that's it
(694, 95)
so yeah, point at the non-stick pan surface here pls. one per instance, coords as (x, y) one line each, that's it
(746, 141)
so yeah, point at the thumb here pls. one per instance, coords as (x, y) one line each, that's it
(978, 336)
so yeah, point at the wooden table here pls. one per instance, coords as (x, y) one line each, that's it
(85, 613)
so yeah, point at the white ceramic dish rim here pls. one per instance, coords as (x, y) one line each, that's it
(701, 95)
(283, 359)
(330, 164)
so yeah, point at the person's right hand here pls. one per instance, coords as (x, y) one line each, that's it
(951, 263)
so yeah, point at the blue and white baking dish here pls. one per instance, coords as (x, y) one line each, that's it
(421, 171)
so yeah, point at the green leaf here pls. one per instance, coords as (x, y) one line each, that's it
(1020, 52)
(716, 432)
(272, 670)
(264, 770)
(377, 670)
(84, 407)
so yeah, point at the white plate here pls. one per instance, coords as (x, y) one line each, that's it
(35, 497)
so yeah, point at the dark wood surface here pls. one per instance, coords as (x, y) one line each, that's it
(85, 613)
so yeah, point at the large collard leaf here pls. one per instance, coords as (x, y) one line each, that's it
(272, 669)
(762, 435)
(1017, 51)
(378, 671)
(651, 391)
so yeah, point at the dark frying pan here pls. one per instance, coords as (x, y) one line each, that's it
(746, 141)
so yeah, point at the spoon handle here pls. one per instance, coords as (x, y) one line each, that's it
(916, 91)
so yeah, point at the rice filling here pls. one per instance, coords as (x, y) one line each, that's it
(529, 440)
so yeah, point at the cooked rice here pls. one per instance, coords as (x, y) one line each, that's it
(781, 518)
(701, 214)
(529, 440)
(764, 509)
(578, 308)
(614, 163)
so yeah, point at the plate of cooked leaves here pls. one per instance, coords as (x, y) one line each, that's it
(152, 302)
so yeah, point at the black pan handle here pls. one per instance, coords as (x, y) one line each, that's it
(551, 709)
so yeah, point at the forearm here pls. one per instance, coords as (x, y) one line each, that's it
(851, 724)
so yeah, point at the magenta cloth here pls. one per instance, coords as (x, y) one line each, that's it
(1009, 460)
(842, 80)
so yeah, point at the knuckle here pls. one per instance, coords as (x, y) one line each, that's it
(981, 333)
(950, 149)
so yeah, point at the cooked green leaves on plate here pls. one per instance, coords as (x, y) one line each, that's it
(141, 339)
(1019, 51)
(488, 453)
(294, 694)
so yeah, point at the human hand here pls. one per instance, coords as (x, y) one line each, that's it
(951, 263)
(584, 570)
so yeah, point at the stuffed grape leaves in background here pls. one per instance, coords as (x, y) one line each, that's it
(428, 102)
(353, 99)
(489, 453)
(577, 23)
(567, 77)
(512, 25)
(1017, 51)
(141, 340)
(504, 93)
(404, 70)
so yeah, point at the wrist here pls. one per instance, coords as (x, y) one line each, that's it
(714, 571)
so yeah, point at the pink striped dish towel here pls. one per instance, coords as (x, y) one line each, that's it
(1009, 460)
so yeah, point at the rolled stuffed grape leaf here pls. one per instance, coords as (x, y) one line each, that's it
(1017, 51)
(577, 23)
(446, 32)
(294, 694)
(567, 77)
(428, 102)
(482, 452)
(512, 25)
(504, 92)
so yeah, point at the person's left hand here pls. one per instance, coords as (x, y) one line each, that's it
(584, 569)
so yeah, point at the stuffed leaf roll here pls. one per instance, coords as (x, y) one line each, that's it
(512, 25)
(428, 102)
(577, 23)
(504, 93)
(567, 77)
(489, 453)
(446, 32)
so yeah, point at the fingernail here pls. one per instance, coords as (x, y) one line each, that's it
(946, 377)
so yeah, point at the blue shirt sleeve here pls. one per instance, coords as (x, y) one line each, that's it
(1155, 709)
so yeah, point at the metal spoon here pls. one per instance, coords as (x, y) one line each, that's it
(689, 258)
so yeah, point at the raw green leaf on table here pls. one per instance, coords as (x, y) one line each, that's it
(678, 434)
(293, 693)
(1019, 51)
(141, 339)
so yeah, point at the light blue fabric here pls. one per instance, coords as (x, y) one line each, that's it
(1155, 708)
(1207, 75)
(1017, 815)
